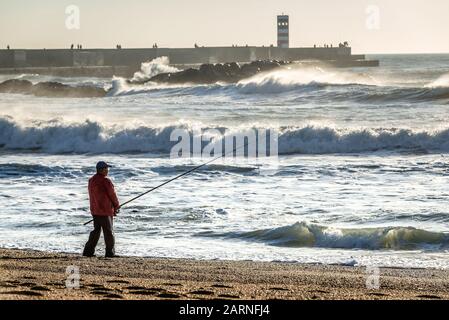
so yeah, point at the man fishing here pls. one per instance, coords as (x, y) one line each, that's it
(104, 206)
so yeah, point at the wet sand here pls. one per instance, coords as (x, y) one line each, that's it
(41, 275)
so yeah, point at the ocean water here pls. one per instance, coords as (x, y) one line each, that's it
(362, 176)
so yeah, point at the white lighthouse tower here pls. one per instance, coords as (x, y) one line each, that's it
(283, 31)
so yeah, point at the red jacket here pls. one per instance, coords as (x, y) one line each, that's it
(103, 200)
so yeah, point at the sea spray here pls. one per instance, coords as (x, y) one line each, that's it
(442, 81)
(153, 68)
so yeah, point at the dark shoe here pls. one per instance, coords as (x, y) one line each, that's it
(89, 256)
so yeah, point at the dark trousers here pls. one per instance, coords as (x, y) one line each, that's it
(105, 223)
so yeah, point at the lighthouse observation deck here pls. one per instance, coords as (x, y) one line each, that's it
(283, 31)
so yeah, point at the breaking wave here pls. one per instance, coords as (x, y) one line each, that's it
(325, 140)
(300, 83)
(86, 137)
(304, 234)
(341, 86)
(152, 68)
(93, 137)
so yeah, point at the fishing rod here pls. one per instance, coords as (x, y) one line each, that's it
(176, 178)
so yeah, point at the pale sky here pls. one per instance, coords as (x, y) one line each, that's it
(404, 26)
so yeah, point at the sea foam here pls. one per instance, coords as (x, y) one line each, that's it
(93, 137)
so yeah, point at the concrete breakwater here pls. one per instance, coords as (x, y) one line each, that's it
(123, 62)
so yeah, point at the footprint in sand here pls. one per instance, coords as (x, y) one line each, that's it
(135, 288)
(229, 296)
(25, 293)
(203, 292)
(94, 285)
(113, 296)
(428, 296)
(221, 286)
(28, 284)
(155, 289)
(101, 291)
(378, 294)
(144, 292)
(169, 295)
(100, 288)
(172, 284)
(119, 281)
(40, 288)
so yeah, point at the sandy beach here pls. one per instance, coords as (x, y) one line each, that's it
(41, 275)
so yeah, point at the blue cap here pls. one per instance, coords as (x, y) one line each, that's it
(102, 165)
